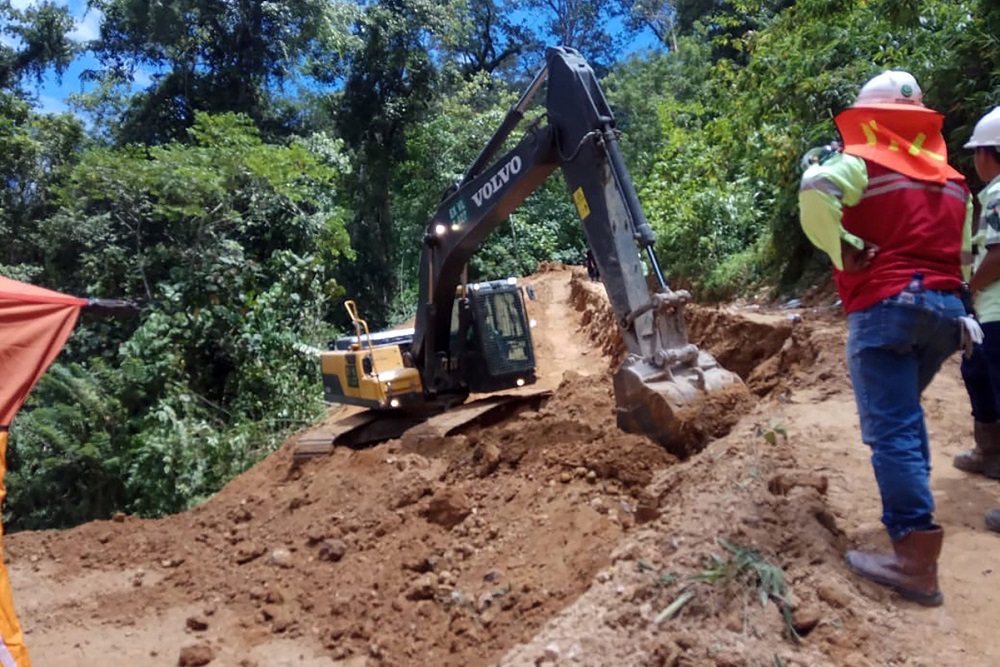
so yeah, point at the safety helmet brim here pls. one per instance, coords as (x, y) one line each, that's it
(918, 108)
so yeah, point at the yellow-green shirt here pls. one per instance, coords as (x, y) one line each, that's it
(988, 298)
(840, 181)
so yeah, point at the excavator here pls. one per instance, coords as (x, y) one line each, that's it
(475, 338)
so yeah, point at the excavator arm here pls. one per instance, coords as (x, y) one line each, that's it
(663, 371)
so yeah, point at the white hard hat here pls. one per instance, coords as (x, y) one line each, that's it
(894, 89)
(987, 132)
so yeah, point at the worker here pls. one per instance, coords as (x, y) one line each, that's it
(894, 218)
(592, 271)
(981, 372)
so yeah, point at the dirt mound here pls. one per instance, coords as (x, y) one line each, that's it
(743, 567)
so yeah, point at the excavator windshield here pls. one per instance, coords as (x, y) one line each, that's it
(504, 337)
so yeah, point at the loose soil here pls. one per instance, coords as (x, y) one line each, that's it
(550, 538)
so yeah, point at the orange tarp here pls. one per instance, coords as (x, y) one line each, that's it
(34, 326)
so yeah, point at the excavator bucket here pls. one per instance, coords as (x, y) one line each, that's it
(659, 392)
(652, 402)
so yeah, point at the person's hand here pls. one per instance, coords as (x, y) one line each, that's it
(857, 260)
(972, 335)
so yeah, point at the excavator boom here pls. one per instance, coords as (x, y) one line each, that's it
(663, 371)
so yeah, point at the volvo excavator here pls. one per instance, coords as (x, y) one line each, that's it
(475, 338)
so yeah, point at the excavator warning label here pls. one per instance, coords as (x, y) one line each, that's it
(581, 203)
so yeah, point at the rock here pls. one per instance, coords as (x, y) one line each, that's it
(565, 477)
(422, 588)
(487, 459)
(646, 510)
(281, 557)
(248, 553)
(241, 515)
(274, 597)
(552, 652)
(118, 517)
(277, 617)
(591, 476)
(484, 602)
(833, 595)
(332, 550)
(196, 656)
(782, 483)
(805, 618)
(196, 623)
(448, 508)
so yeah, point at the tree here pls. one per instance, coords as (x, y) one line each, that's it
(589, 26)
(36, 151)
(485, 37)
(229, 242)
(659, 16)
(390, 84)
(32, 40)
(217, 56)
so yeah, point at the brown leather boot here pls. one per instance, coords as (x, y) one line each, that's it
(911, 569)
(984, 459)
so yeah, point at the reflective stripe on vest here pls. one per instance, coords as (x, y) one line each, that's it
(888, 184)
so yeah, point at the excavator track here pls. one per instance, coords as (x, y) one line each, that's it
(374, 426)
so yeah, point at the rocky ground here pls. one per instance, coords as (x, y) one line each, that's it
(550, 538)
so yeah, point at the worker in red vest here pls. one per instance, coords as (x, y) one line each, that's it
(894, 217)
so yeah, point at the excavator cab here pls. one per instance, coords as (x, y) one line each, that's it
(499, 353)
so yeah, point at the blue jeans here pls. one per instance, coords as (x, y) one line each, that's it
(894, 349)
(981, 373)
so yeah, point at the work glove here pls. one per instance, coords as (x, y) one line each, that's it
(972, 334)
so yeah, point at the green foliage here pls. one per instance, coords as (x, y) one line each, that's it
(387, 91)
(37, 152)
(229, 241)
(724, 188)
(32, 40)
(216, 56)
(63, 467)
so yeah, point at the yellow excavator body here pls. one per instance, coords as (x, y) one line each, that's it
(371, 372)
(384, 382)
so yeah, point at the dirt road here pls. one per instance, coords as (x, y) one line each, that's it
(552, 538)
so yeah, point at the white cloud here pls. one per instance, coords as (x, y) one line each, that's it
(49, 104)
(142, 78)
(88, 28)
(24, 4)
